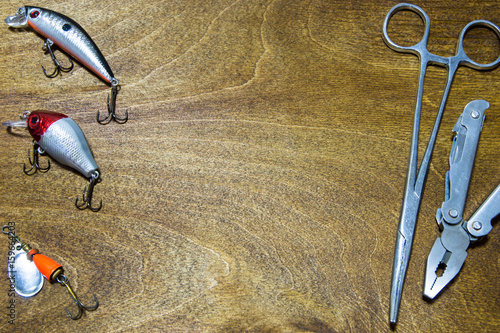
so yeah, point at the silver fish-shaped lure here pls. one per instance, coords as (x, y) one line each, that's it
(69, 36)
(59, 136)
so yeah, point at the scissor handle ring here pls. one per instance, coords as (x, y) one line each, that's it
(416, 48)
(460, 49)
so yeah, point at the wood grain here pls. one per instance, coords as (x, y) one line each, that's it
(258, 182)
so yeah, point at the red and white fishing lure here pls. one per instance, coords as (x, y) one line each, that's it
(69, 36)
(60, 137)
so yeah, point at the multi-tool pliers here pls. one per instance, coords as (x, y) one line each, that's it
(450, 249)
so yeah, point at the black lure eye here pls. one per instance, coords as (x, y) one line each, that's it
(66, 27)
(34, 14)
(34, 120)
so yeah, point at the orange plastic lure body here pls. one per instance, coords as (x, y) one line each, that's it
(47, 266)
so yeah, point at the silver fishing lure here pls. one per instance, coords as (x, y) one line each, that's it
(68, 35)
(59, 136)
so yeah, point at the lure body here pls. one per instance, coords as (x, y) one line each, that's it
(71, 37)
(63, 139)
(47, 266)
(60, 137)
(67, 35)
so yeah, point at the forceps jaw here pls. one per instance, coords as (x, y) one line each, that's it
(404, 240)
(398, 273)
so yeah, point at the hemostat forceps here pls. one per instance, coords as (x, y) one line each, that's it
(415, 182)
(449, 251)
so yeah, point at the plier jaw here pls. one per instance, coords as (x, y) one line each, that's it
(445, 260)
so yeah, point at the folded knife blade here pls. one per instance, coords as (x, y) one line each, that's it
(449, 251)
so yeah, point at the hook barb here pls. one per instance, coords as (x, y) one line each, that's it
(63, 280)
(115, 86)
(87, 194)
(35, 163)
(58, 67)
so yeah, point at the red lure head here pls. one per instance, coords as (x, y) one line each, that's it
(39, 121)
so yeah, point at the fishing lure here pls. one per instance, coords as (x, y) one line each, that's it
(60, 137)
(45, 266)
(69, 36)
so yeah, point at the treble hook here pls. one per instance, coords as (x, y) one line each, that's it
(63, 280)
(115, 86)
(59, 68)
(87, 194)
(35, 165)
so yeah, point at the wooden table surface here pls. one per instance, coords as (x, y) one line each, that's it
(258, 183)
